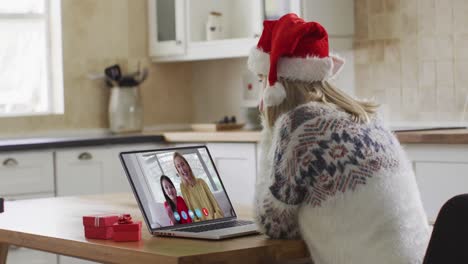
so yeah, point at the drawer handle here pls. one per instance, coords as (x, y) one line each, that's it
(10, 162)
(85, 156)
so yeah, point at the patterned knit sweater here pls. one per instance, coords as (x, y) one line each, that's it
(346, 188)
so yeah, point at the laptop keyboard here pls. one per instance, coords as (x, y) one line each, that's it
(204, 228)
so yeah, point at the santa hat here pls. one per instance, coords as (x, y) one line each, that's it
(295, 50)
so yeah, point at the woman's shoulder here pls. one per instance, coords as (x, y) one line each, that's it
(180, 199)
(200, 181)
(312, 114)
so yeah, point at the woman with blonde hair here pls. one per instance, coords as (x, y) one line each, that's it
(330, 171)
(196, 192)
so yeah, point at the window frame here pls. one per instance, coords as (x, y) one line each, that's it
(53, 54)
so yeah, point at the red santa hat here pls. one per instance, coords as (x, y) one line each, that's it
(292, 49)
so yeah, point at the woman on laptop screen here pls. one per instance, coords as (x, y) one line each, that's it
(196, 192)
(175, 205)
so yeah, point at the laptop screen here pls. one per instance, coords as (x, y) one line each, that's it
(178, 186)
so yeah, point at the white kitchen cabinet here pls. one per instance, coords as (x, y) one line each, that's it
(177, 29)
(93, 170)
(26, 173)
(441, 172)
(80, 171)
(237, 166)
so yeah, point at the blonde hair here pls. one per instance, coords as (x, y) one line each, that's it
(178, 155)
(299, 92)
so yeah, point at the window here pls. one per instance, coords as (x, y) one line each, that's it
(31, 79)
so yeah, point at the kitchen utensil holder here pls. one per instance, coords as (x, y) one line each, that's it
(125, 110)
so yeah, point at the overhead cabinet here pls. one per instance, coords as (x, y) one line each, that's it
(178, 28)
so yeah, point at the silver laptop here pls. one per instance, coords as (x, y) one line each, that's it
(180, 193)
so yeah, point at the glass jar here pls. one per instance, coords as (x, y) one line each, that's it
(125, 110)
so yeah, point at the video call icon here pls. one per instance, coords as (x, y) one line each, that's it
(198, 213)
(191, 214)
(176, 216)
(184, 215)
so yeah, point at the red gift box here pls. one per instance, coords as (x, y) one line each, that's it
(127, 230)
(99, 226)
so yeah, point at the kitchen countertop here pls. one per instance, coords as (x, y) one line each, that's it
(219, 136)
(450, 136)
(82, 141)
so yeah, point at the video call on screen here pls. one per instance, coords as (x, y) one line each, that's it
(177, 187)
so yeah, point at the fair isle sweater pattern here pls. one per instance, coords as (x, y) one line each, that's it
(318, 152)
(331, 154)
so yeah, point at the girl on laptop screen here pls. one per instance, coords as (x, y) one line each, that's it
(196, 192)
(175, 205)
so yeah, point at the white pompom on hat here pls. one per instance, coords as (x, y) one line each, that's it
(292, 49)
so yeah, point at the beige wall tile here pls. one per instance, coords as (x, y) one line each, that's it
(377, 51)
(444, 16)
(460, 19)
(376, 6)
(362, 26)
(361, 52)
(428, 103)
(426, 48)
(409, 75)
(95, 29)
(427, 74)
(433, 58)
(137, 28)
(392, 5)
(392, 51)
(446, 99)
(445, 73)
(461, 46)
(409, 22)
(461, 74)
(426, 15)
(444, 48)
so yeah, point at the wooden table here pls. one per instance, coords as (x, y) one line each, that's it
(55, 225)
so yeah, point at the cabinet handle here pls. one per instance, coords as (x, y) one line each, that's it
(178, 42)
(256, 35)
(10, 162)
(85, 156)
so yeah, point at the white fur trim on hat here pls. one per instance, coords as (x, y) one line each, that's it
(274, 95)
(308, 69)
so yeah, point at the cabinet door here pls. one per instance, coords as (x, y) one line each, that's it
(441, 173)
(26, 172)
(440, 181)
(166, 27)
(236, 164)
(79, 171)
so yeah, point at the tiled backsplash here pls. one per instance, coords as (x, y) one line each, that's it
(412, 57)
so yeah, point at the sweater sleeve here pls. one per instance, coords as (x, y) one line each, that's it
(279, 190)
